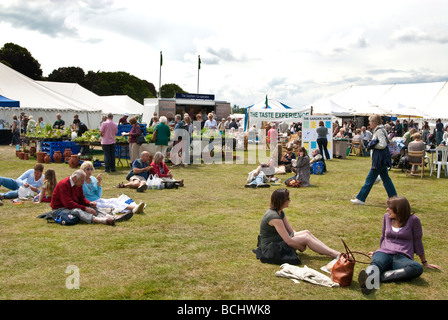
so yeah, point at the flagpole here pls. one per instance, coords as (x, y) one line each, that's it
(160, 72)
(199, 68)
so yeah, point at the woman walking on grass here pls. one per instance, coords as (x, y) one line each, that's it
(381, 162)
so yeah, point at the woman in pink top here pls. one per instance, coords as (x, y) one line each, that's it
(272, 138)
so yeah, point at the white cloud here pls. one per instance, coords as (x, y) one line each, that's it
(292, 50)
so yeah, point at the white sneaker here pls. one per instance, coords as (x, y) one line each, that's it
(138, 208)
(357, 201)
(378, 179)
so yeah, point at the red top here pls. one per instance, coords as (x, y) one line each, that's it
(66, 196)
(157, 170)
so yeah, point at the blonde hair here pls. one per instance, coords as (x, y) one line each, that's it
(376, 118)
(86, 164)
(157, 156)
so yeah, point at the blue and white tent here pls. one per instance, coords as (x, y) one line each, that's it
(271, 110)
(9, 103)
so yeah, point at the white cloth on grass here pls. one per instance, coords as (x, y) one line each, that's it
(306, 274)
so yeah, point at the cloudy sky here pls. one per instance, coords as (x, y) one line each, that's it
(294, 51)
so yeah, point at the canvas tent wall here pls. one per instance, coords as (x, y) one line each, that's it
(37, 100)
(271, 110)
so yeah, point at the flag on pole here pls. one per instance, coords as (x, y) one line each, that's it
(161, 58)
(199, 62)
(266, 102)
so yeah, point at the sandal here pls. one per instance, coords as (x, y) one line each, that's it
(121, 185)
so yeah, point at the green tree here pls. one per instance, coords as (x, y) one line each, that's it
(21, 60)
(169, 90)
(237, 109)
(68, 74)
(122, 83)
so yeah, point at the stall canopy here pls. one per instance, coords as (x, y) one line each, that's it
(38, 100)
(5, 102)
(272, 110)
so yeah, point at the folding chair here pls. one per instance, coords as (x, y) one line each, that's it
(357, 148)
(418, 158)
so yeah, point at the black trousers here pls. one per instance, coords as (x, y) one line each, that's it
(109, 157)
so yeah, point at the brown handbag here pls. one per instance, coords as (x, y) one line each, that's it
(154, 135)
(342, 271)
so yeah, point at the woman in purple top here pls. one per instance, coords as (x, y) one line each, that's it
(401, 238)
(134, 147)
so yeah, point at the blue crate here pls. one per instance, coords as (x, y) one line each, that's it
(51, 146)
(127, 128)
(124, 152)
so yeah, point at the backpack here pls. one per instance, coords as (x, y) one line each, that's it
(61, 216)
(66, 218)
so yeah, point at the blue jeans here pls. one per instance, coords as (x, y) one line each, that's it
(370, 180)
(439, 137)
(386, 262)
(12, 185)
(258, 180)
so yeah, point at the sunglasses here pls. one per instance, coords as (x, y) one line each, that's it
(90, 169)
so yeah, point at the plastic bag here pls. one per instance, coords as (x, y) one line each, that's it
(154, 182)
(26, 193)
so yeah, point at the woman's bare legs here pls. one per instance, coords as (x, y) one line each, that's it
(305, 238)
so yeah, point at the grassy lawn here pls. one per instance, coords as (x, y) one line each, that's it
(196, 242)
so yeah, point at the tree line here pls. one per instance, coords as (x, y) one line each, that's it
(100, 82)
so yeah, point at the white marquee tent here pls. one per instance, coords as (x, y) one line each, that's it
(328, 107)
(123, 104)
(117, 105)
(37, 100)
(426, 100)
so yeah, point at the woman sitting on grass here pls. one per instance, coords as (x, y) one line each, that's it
(48, 186)
(400, 239)
(302, 166)
(93, 191)
(160, 169)
(275, 227)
